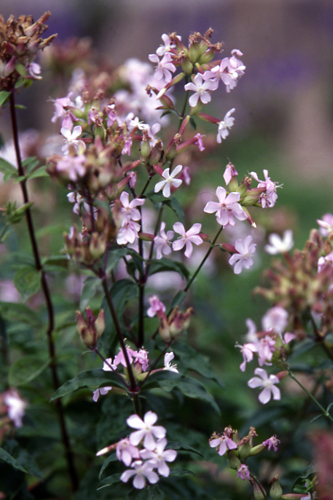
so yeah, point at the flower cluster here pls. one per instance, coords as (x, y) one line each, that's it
(144, 450)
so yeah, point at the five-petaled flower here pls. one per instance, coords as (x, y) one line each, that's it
(272, 442)
(226, 208)
(201, 90)
(147, 430)
(169, 182)
(244, 257)
(280, 245)
(267, 383)
(141, 471)
(223, 443)
(225, 125)
(187, 238)
(159, 456)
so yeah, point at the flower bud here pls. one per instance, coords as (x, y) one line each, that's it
(194, 52)
(258, 492)
(187, 66)
(164, 329)
(93, 329)
(276, 490)
(178, 321)
(145, 146)
(207, 57)
(97, 245)
(233, 460)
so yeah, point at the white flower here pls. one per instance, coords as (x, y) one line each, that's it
(16, 407)
(71, 137)
(162, 242)
(146, 431)
(167, 362)
(159, 456)
(169, 181)
(278, 244)
(275, 319)
(102, 391)
(126, 452)
(244, 257)
(225, 125)
(142, 471)
(201, 90)
(269, 389)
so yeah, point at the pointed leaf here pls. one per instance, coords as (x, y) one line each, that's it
(192, 360)
(20, 313)
(26, 369)
(10, 460)
(27, 281)
(111, 458)
(165, 264)
(91, 379)
(4, 94)
(108, 481)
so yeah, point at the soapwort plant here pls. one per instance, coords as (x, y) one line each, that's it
(122, 158)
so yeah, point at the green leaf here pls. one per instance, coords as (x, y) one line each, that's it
(150, 492)
(20, 69)
(91, 285)
(7, 168)
(4, 94)
(173, 445)
(114, 257)
(40, 172)
(91, 379)
(192, 360)
(165, 264)
(178, 298)
(111, 458)
(30, 163)
(190, 387)
(26, 369)
(56, 262)
(193, 124)
(27, 281)
(20, 313)
(10, 460)
(108, 481)
(176, 207)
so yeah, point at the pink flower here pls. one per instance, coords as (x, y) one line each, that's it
(226, 208)
(169, 181)
(73, 166)
(243, 472)
(168, 45)
(159, 456)
(142, 471)
(187, 238)
(163, 242)
(267, 383)
(244, 257)
(129, 210)
(229, 173)
(275, 319)
(126, 452)
(323, 261)
(272, 442)
(164, 68)
(200, 89)
(156, 306)
(224, 443)
(128, 233)
(225, 125)
(247, 351)
(199, 142)
(278, 244)
(146, 431)
(141, 358)
(266, 347)
(269, 197)
(326, 224)
(100, 392)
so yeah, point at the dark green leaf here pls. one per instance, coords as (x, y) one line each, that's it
(176, 207)
(108, 481)
(27, 281)
(173, 445)
(91, 285)
(91, 379)
(26, 369)
(178, 298)
(111, 458)
(190, 387)
(192, 360)
(193, 124)
(165, 264)
(10, 460)
(20, 313)
(114, 257)
(150, 492)
(177, 471)
(54, 262)
(4, 94)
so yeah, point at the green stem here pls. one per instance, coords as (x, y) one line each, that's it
(49, 305)
(204, 259)
(310, 396)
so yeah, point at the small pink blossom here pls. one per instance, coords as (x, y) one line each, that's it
(326, 224)
(275, 319)
(156, 306)
(268, 198)
(324, 261)
(100, 392)
(199, 142)
(169, 182)
(223, 443)
(164, 67)
(129, 210)
(278, 244)
(247, 351)
(244, 257)
(147, 430)
(229, 173)
(163, 242)
(266, 347)
(201, 90)
(128, 233)
(125, 452)
(226, 208)
(142, 471)
(243, 472)
(267, 383)
(185, 176)
(160, 456)
(168, 45)
(272, 442)
(225, 125)
(187, 238)
(73, 166)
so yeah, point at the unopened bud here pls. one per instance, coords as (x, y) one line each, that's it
(187, 66)
(164, 329)
(91, 330)
(258, 492)
(97, 245)
(276, 490)
(233, 460)
(207, 57)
